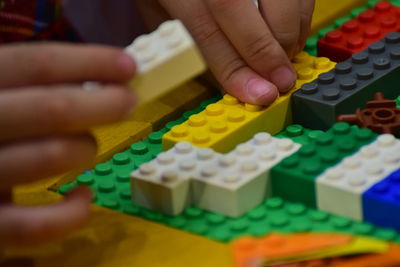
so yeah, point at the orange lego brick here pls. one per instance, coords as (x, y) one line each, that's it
(272, 246)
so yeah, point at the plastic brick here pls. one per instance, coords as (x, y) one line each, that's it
(165, 59)
(278, 247)
(299, 134)
(381, 203)
(350, 85)
(164, 183)
(229, 122)
(380, 115)
(340, 188)
(355, 35)
(229, 184)
(294, 177)
(239, 180)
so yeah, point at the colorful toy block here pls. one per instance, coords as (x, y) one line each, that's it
(164, 183)
(381, 203)
(340, 188)
(229, 184)
(240, 180)
(160, 56)
(350, 85)
(299, 134)
(229, 122)
(311, 44)
(248, 250)
(294, 177)
(380, 115)
(357, 34)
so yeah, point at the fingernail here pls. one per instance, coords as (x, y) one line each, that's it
(283, 77)
(126, 64)
(261, 91)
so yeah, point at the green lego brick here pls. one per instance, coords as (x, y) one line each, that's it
(299, 134)
(398, 101)
(294, 177)
(311, 44)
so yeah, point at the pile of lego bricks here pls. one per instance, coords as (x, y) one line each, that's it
(176, 188)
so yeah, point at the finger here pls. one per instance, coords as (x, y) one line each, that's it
(38, 111)
(34, 225)
(30, 160)
(306, 12)
(227, 65)
(283, 18)
(34, 64)
(254, 40)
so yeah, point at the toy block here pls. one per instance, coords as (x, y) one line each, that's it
(381, 203)
(229, 184)
(350, 85)
(388, 258)
(164, 183)
(355, 35)
(277, 246)
(340, 188)
(223, 125)
(239, 180)
(294, 177)
(299, 134)
(380, 115)
(331, 12)
(165, 59)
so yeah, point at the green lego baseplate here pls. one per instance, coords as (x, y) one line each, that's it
(110, 183)
(311, 44)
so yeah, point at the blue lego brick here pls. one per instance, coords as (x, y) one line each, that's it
(381, 203)
(349, 85)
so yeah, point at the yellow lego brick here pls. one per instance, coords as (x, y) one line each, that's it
(223, 125)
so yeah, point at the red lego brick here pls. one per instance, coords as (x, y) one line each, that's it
(380, 115)
(355, 35)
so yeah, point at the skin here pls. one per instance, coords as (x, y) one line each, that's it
(46, 110)
(248, 49)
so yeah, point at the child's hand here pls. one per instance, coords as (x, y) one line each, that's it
(245, 46)
(44, 118)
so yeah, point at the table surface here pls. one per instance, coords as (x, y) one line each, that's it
(114, 239)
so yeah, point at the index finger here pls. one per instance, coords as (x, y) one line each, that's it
(50, 63)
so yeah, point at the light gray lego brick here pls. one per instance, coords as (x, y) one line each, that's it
(163, 184)
(340, 188)
(240, 179)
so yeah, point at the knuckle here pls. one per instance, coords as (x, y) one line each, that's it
(261, 47)
(205, 31)
(230, 69)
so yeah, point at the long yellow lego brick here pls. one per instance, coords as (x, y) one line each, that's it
(223, 125)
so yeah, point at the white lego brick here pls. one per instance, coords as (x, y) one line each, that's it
(340, 188)
(165, 59)
(240, 180)
(164, 183)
